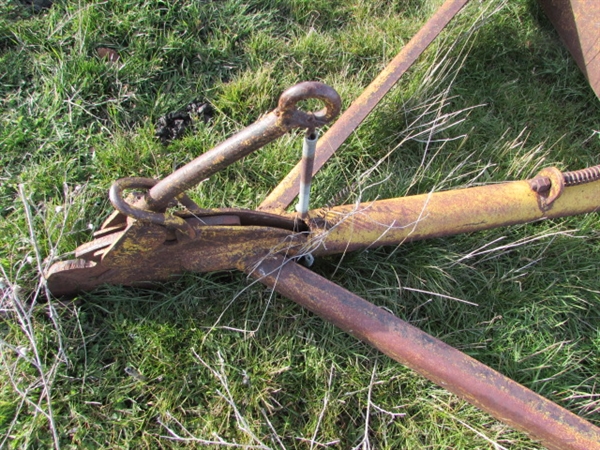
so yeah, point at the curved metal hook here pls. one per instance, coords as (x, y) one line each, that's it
(115, 194)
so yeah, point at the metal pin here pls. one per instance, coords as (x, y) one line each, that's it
(308, 157)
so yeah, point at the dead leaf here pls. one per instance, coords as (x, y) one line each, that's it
(108, 54)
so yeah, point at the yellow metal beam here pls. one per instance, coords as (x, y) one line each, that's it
(393, 221)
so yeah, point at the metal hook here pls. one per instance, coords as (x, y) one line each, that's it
(115, 195)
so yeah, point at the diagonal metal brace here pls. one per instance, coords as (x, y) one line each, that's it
(446, 366)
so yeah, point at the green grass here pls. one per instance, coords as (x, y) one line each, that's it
(211, 358)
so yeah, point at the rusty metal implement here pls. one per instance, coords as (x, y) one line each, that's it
(141, 241)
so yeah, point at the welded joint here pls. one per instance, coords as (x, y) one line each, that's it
(549, 184)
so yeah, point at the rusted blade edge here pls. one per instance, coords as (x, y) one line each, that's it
(578, 24)
(283, 195)
(503, 398)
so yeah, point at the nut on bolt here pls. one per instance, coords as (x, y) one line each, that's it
(549, 184)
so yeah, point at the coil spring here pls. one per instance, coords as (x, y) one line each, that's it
(582, 176)
(336, 200)
(340, 196)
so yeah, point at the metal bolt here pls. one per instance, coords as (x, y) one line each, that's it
(540, 184)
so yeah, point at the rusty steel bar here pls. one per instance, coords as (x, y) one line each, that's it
(578, 24)
(393, 221)
(275, 124)
(466, 377)
(283, 195)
